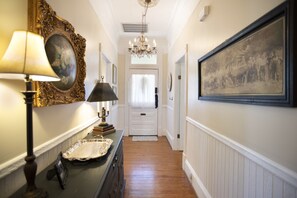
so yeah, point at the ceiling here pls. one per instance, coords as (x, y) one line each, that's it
(162, 20)
(158, 18)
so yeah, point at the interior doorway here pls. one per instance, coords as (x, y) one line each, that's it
(180, 102)
(143, 101)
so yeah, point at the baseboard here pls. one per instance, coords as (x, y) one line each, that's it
(197, 184)
(170, 139)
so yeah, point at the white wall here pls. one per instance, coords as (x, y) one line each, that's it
(13, 15)
(267, 132)
(52, 121)
(59, 121)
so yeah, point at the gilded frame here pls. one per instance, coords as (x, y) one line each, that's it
(42, 19)
(255, 66)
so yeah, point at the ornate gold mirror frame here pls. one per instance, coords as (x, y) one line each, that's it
(65, 50)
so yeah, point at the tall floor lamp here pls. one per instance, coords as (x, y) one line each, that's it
(25, 58)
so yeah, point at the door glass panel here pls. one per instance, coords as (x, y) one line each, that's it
(142, 90)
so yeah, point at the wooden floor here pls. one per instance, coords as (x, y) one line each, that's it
(153, 170)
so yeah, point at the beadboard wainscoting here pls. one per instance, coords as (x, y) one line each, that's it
(120, 122)
(11, 172)
(163, 130)
(219, 167)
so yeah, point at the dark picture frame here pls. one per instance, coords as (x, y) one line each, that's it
(65, 50)
(255, 66)
(114, 88)
(169, 82)
(61, 171)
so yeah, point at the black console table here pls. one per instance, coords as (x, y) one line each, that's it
(103, 177)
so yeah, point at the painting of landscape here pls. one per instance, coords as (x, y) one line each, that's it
(254, 65)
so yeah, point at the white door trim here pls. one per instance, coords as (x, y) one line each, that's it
(142, 120)
(180, 114)
(159, 67)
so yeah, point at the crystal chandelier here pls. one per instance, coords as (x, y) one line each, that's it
(141, 47)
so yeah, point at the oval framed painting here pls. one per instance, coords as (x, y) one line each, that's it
(65, 50)
(62, 59)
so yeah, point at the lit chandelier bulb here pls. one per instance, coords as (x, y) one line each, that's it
(154, 42)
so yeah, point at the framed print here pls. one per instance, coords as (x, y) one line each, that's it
(114, 88)
(114, 74)
(255, 66)
(61, 171)
(169, 82)
(65, 50)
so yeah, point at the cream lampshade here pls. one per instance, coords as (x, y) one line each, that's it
(26, 55)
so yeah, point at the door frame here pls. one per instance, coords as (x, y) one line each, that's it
(180, 107)
(158, 67)
(155, 72)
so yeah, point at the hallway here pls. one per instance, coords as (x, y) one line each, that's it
(153, 170)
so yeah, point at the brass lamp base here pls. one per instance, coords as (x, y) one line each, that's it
(104, 115)
(103, 124)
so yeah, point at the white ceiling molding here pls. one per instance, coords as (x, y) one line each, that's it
(165, 20)
(180, 18)
(107, 19)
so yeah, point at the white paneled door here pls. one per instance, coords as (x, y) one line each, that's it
(143, 102)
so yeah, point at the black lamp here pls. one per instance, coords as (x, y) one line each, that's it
(25, 58)
(100, 93)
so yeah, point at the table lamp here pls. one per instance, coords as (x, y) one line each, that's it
(102, 92)
(26, 59)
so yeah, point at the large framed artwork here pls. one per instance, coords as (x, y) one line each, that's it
(255, 66)
(65, 50)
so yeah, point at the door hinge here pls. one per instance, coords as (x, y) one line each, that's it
(179, 77)
(178, 136)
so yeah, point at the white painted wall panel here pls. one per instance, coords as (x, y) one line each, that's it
(267, 184)
(277, 187)
(259, 181)
(223, 168)
(289, 191)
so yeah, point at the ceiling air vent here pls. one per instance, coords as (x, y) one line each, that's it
(129, 27)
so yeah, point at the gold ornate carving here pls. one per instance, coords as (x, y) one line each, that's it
(42, 19)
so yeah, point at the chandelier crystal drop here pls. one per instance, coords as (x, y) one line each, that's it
(140, 46)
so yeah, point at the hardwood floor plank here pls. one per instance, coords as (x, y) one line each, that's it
(154, 170)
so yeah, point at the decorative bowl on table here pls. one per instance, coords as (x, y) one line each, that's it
(87, 149)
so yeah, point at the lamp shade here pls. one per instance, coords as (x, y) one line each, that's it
(26, 56)
(102, 92)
